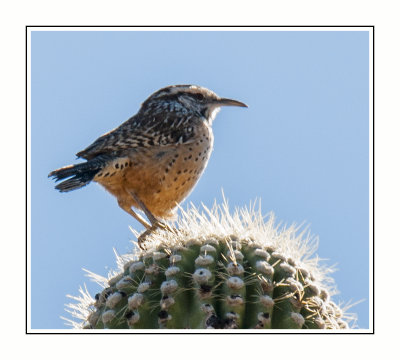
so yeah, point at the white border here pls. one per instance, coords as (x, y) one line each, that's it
(200, 28)
(228, 28)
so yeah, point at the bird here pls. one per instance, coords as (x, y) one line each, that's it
(152, 161)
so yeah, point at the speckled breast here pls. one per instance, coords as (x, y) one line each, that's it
(162, 176)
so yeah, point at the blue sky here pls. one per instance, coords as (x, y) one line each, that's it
(301, 146)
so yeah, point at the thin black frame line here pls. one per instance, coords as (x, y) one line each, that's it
(373, 180)
(203, 26)
(200, 333)
(26, 179)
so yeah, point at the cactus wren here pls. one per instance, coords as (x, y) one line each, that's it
(153, 160)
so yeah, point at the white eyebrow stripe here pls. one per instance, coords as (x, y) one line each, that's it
(175, 90)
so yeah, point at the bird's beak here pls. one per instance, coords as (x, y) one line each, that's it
(229, 102)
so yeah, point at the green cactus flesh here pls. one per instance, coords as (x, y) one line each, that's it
(215, 282)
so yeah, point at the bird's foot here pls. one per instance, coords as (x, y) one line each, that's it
(163, 226)
(156, 225)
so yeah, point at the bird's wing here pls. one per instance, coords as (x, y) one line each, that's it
(142, 132)
(111, 142)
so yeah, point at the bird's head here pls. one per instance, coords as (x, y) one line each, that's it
(188, 99)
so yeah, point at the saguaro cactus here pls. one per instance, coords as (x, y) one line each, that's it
(218, 271)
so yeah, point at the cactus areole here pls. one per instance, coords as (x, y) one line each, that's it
(219, 271)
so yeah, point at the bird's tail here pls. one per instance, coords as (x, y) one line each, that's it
(79, 175)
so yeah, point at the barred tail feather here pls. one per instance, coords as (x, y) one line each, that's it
(76, 182)
(79, 175)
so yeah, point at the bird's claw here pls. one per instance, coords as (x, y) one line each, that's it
(156, 225)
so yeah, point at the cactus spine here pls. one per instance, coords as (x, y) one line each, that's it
(218, 272)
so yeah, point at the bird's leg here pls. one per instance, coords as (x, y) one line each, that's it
(129, 210)
(143, 207)
(155, 223)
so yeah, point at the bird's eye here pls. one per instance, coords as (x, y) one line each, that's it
(199, 96)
